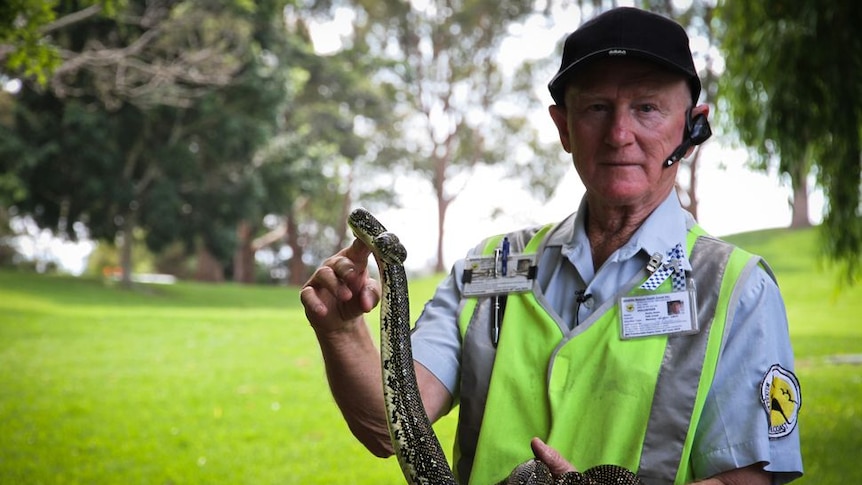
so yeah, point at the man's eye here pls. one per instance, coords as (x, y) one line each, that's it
(647, 108)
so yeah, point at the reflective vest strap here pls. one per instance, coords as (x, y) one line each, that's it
(677, 403)
(477, 357)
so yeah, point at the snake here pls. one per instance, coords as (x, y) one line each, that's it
(420, 454)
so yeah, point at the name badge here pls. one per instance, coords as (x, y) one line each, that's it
(673, 313)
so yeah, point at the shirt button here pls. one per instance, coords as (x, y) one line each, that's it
(589, 303)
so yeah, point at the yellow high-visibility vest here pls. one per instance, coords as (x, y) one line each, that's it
(594, 397)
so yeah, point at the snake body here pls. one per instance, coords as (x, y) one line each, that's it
(416, 446)
(418, 450)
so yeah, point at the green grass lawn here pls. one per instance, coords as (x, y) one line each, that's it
(202, 384)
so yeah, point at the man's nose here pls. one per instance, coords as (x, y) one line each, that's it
(620, 128)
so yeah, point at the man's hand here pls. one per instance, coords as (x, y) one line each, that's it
(340, 290)
(750, 475)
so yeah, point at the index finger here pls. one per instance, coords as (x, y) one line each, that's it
(350, 264)
(358, 253)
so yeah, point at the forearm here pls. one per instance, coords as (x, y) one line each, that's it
(353, 370)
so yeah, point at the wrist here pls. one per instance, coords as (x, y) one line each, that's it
(345, 337)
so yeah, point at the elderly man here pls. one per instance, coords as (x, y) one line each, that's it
(572, 355)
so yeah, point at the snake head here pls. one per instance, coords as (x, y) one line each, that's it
(388, 247)
(364, 224)
(385, 245)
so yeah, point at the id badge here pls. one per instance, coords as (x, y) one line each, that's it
(673, 313)
(485, 275)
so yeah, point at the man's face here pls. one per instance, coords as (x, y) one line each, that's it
(622, 119)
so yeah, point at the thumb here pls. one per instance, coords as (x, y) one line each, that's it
(551, 457)
(370, 296)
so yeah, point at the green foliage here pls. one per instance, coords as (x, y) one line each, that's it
(221, 113)
(332, 147)
(20, 31)
(67, 156)
(27, 46)
(196, 383)
(12, 187)
(793, 91)
(175, 160)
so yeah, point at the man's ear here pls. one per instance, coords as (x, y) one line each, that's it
(699, 110)
(558, 114)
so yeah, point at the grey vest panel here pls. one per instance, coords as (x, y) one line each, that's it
(673, 402)
(477, 362)
(681, 366)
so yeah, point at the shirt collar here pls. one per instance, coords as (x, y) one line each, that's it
(663, 229)
(666, 227)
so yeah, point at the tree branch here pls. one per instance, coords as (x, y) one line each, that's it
(70, 19)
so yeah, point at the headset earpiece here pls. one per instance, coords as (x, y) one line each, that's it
(697, 131)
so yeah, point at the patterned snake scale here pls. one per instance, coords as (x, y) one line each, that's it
(419, 452)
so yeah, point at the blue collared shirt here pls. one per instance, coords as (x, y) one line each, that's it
(731, 432)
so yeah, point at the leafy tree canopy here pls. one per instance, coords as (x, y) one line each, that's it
(26, 45)
(150, 122)
(794, 92)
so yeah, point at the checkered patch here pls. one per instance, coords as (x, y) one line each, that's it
(671, 267)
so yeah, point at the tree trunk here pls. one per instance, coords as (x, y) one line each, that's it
(799, 205)
(295, 265)
(439, 182)
(345, 236)
(442, 205)
(209, 269)
(692, 184)
(243, 257)
(126, 240)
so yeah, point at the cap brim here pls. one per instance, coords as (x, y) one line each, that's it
(564, 76)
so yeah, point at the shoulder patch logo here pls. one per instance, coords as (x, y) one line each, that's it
(782, 398)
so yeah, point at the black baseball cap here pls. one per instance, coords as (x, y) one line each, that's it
(626, 32)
